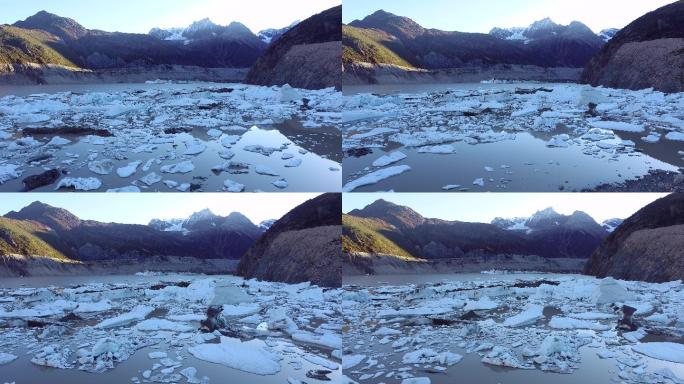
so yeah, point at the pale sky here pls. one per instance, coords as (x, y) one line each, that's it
(483, 15)
(140, 208)
(139, 16)
(483, 207)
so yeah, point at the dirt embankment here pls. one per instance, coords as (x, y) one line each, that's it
(30, 74)
(362, 264)
(17, 265)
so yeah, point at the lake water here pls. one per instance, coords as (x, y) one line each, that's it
(314, 151)
(226, 292)
(522, 161)
(399, 292)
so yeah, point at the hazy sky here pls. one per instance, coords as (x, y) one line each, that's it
(140, 208)
(483, 207)
(483, 15)
(142, 15)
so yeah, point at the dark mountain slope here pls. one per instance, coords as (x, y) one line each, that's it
(306, 56)
(648, 246)
(304, 245)
(649, 52)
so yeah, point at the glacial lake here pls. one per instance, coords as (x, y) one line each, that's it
(548, 147)
(226, 292)
(389, 293)
(248, 135)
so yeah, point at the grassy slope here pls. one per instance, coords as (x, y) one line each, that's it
(361, 45)
(364, 235)
(24, 238)
(21, 46)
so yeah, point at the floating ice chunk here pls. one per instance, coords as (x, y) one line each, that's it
(503, 357)
(214, 132)
(286, 156)
(126, 189)
(525, 111)
(163, 325)
(129, 169)
(233, 186)
(479, 181)
(190, 373)
(559, 141)
(652, 137)
(617, 126)
(281, 183)
(136, 314)
(386, 160)
(265, 170)
(101, 167)
(157, 355)
(530, 315)
(635, 336)
(293, 163)
(105, 346)
(676, 136)
(260, 149)
(449, 187)
(240, 310)
(430, 356)
(667, 351)
(182, 167)
(80, 183)
(385, 331)
(560, 322)
(610, 291)
(326, 340)
(325, 363)
(350, 361)
(226, 154)
(438, 149)
(592, 316)
(484, 303)
(194, 148)
(249, 356)
(8, 172)
(416, 380)
(372, 132)
(99, 306)
(151, 178)
(6, 358)
(229, 140)
(58, 141)
(375, 177)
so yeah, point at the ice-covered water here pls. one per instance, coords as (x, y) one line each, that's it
(147, 329)
(173, 137)
(511, 328)
(508, 137)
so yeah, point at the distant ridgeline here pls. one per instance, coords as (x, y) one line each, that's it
(47, 42)
(387, 39)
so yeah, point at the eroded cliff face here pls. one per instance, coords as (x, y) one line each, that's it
(304, 245)
(647, 53)
(307, 56)
(648, 246)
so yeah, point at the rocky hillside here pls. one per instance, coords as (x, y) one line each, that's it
(647, 246)
(386, 228)
(306, 56)
(86, 240)
(45, 38)
(385, 38)
(304, 245)
(649, 52)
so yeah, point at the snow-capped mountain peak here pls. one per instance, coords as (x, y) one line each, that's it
(200, 25)
(271, 34)
(266, 224)
(608, 34)
(610, 224)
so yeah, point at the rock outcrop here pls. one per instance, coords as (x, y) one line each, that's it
(306, 56)
(648, 53)
(304, 245)
(648, 246)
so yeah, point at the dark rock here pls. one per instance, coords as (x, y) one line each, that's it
(647, 246)
(319, 374)
(71, 317)
(214, 320)
(36, 181)
(627, 322)
(176, 130)
(646, 53)
(303, 245)
(306, 56)
(470, 315)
